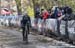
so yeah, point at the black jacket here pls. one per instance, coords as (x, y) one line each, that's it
(67, 10)
(25, 20)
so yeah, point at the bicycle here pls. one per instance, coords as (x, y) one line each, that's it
(25, 33)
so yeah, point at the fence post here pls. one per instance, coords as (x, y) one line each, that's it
(74, 21)
(58, 27)
(66, 28)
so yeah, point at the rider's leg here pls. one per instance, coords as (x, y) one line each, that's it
(23, 33)
(28, 29)
(26, 34)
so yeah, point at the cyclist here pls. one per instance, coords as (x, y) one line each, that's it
(25, 22)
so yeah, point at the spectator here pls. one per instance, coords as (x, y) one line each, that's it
(55, 13)
(50, 13)
(37, 15)
(45, 15)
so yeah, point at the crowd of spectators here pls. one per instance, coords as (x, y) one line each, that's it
(55, 12)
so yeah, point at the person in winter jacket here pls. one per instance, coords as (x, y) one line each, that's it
(45, 14)
(25, 22)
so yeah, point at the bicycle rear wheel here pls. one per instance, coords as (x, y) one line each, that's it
(26, 34)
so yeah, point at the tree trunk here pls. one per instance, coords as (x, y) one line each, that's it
(18, 3)
(34, 6)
